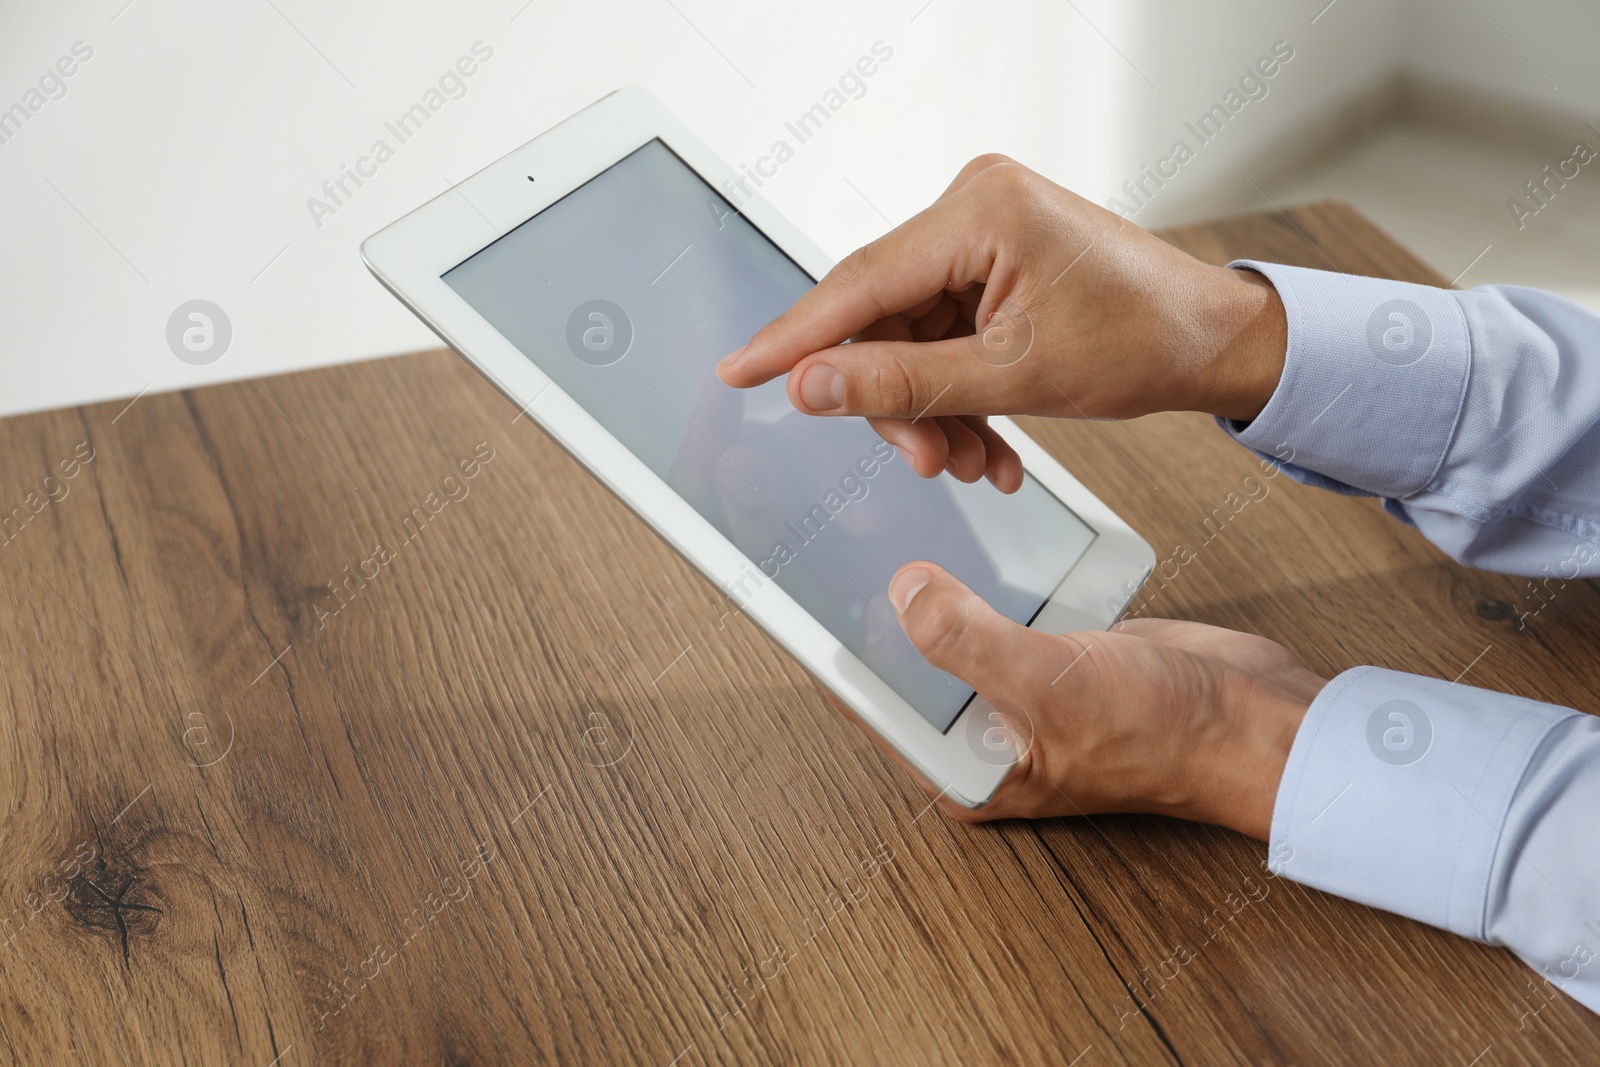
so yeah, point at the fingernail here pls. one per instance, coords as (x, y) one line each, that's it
(907, 584)
(905, 455)
(733, 357)
(822, 388)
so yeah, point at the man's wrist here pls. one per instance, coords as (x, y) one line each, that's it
(1250, 342)
(1248, 766)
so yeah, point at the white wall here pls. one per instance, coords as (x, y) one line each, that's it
(1197, 52)
(179, 162)
(1545, 53)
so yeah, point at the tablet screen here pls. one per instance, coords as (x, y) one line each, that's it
(626, 293)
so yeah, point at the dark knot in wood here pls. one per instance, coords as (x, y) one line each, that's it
(109, 900)
(1493, 609)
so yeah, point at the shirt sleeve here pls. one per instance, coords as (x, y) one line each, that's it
(1474, 414)
(1459, 807)
(1476, 417)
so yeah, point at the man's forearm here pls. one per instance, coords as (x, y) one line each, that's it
(1475, 414)
(1462, 808)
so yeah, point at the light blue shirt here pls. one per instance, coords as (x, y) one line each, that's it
(1476, 417)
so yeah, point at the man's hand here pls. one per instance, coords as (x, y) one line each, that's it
(1174, 718)
(1011, 295)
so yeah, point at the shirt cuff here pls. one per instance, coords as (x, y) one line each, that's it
(1373, 381)
(1397, 789)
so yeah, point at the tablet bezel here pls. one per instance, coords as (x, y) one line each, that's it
(410, 257)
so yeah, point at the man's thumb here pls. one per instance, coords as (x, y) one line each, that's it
(903, 380)
(953, 628)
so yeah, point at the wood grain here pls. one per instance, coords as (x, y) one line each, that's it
(304, 764)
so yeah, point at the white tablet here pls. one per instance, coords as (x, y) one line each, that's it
(597, 274)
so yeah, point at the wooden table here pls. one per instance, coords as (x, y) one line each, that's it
(315, 750)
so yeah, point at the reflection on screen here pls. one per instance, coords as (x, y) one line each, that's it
(627, 292)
